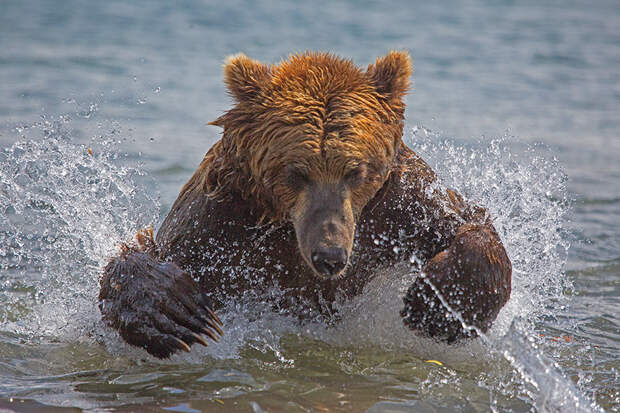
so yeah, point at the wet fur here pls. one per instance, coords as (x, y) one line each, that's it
(232, 227)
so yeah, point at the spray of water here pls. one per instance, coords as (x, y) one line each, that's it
(528, 202)
(64, 208)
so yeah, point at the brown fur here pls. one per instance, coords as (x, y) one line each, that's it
(311, 155)
(315, 111)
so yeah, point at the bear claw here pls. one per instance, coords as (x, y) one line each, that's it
(199, 339)
(183, 344)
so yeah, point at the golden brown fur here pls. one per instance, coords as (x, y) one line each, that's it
(316, 111)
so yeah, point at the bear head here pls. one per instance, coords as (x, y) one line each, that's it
(311, 141)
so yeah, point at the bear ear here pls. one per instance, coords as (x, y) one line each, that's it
(390, 74)
(245, 77)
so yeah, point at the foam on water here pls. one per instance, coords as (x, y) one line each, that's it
(64, 209)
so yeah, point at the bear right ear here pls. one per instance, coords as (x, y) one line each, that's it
(245, 77)
(390, 74)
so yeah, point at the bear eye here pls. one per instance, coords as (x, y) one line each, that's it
(355, 177)
(296, 177)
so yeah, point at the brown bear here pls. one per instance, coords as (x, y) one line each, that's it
(311, 190)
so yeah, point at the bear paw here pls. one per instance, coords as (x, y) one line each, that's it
(155, 305)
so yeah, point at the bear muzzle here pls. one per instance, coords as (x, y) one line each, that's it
(329, 261)
(325, 227)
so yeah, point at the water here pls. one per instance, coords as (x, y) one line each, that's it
(103, 109)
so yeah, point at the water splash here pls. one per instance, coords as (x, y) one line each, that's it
(64, 208)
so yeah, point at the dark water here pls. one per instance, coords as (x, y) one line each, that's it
(514, 103)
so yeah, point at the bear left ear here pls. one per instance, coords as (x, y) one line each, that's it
(245, 77)
(390, 74)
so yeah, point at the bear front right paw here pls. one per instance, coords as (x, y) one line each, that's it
(155, 305)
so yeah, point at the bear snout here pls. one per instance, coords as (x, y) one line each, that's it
(329, 261)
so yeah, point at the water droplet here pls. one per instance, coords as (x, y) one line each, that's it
(87, 113)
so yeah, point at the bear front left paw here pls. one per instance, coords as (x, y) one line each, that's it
(472, 276)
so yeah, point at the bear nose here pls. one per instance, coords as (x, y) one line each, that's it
(329, 260)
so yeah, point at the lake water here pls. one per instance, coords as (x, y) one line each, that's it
(515, 104)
